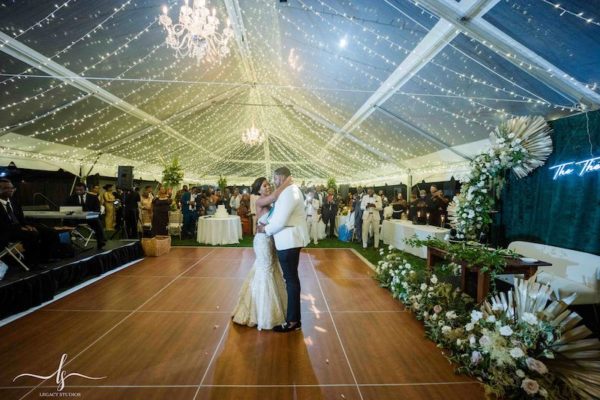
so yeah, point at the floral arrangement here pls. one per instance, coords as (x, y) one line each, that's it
(172, 174)
(520, 344)
(331, 183)
(222, 183)
(521, 144)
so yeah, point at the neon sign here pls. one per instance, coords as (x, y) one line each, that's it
(584, 167)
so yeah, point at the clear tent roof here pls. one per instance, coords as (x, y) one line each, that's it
(333, 84)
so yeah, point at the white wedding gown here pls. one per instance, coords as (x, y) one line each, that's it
(263, 298)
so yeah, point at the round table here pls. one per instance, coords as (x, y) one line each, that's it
(219, 230)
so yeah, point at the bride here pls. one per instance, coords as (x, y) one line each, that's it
(263, 297)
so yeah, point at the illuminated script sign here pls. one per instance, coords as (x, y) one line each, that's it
(579, 168)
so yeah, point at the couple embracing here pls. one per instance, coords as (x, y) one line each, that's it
(270, 295)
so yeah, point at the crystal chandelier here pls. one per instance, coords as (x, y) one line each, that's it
(196, 33)
(253, 137)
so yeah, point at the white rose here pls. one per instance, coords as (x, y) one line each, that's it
(423, 286)
(476, 316)
(516, 352)
(469, 327)
(446, 329)
(434, 279)
(520, 373)
(491, 318)
(450, 315)
(506, 331)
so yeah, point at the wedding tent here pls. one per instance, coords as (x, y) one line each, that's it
(363, 91)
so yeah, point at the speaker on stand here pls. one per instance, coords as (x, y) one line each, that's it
(125, 177)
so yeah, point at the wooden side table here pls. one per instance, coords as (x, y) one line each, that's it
(513, 266)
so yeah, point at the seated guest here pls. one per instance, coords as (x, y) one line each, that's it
(88, 201)
(38, 239)
(160, 216)
(399, 207)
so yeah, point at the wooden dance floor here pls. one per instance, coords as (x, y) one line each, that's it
(161, 329)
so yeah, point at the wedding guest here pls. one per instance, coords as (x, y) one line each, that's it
(234, 203)
(131, 211)
(146, 202)
(211, 204)
(119, 195)
(89, 201)
(371, 205)
(187, 212)
(312, 207)
(399, 206)
(160, 216)
(329, 211)
(253, 221)
(358, 214)
(108, 199)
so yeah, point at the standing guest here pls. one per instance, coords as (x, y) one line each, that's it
(312, 207)
(119, 195)
(243, 211)
(358, 213)
(108, 199)
(187, 211)
(89, 201)
(160, 215)
(253, 221)
(211, 203)
(399, 207)
(321, 194)
(226, 200)
(146, 203)
(234, 203)
(329, 212)
(131, 203)
(440, 203)
(370, 205)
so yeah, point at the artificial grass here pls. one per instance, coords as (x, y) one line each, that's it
(370, 253)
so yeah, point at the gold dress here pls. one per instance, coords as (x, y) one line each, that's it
(109, 207)
(147, 210)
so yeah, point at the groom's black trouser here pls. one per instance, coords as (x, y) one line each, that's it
(289, 260)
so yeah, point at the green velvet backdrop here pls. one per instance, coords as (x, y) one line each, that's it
(565, 211)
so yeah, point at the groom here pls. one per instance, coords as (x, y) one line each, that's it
(287, 225)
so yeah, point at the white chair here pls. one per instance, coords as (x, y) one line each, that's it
(13, 250)
(175, 223)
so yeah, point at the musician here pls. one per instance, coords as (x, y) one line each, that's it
(38, 240)
(89, 201)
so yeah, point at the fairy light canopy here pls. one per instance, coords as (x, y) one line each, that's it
(358, 90)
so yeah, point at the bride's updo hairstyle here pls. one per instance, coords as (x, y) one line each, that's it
(257, 184)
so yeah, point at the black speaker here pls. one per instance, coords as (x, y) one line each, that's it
(125, 177)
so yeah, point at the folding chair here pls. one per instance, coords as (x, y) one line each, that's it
(86, 235)
(13, 250)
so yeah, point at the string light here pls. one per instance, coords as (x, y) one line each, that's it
(315, 65)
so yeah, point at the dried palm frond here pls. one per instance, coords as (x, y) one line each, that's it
(533, 133)
(576, 356)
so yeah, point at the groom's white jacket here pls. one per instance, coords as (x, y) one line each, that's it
(288, 221)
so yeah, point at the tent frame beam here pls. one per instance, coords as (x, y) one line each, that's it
(514, 52)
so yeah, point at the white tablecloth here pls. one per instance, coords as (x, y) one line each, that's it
(219, 230)
(395, 231)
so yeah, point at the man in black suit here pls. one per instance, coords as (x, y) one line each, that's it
(37, 240)
(88, 201)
